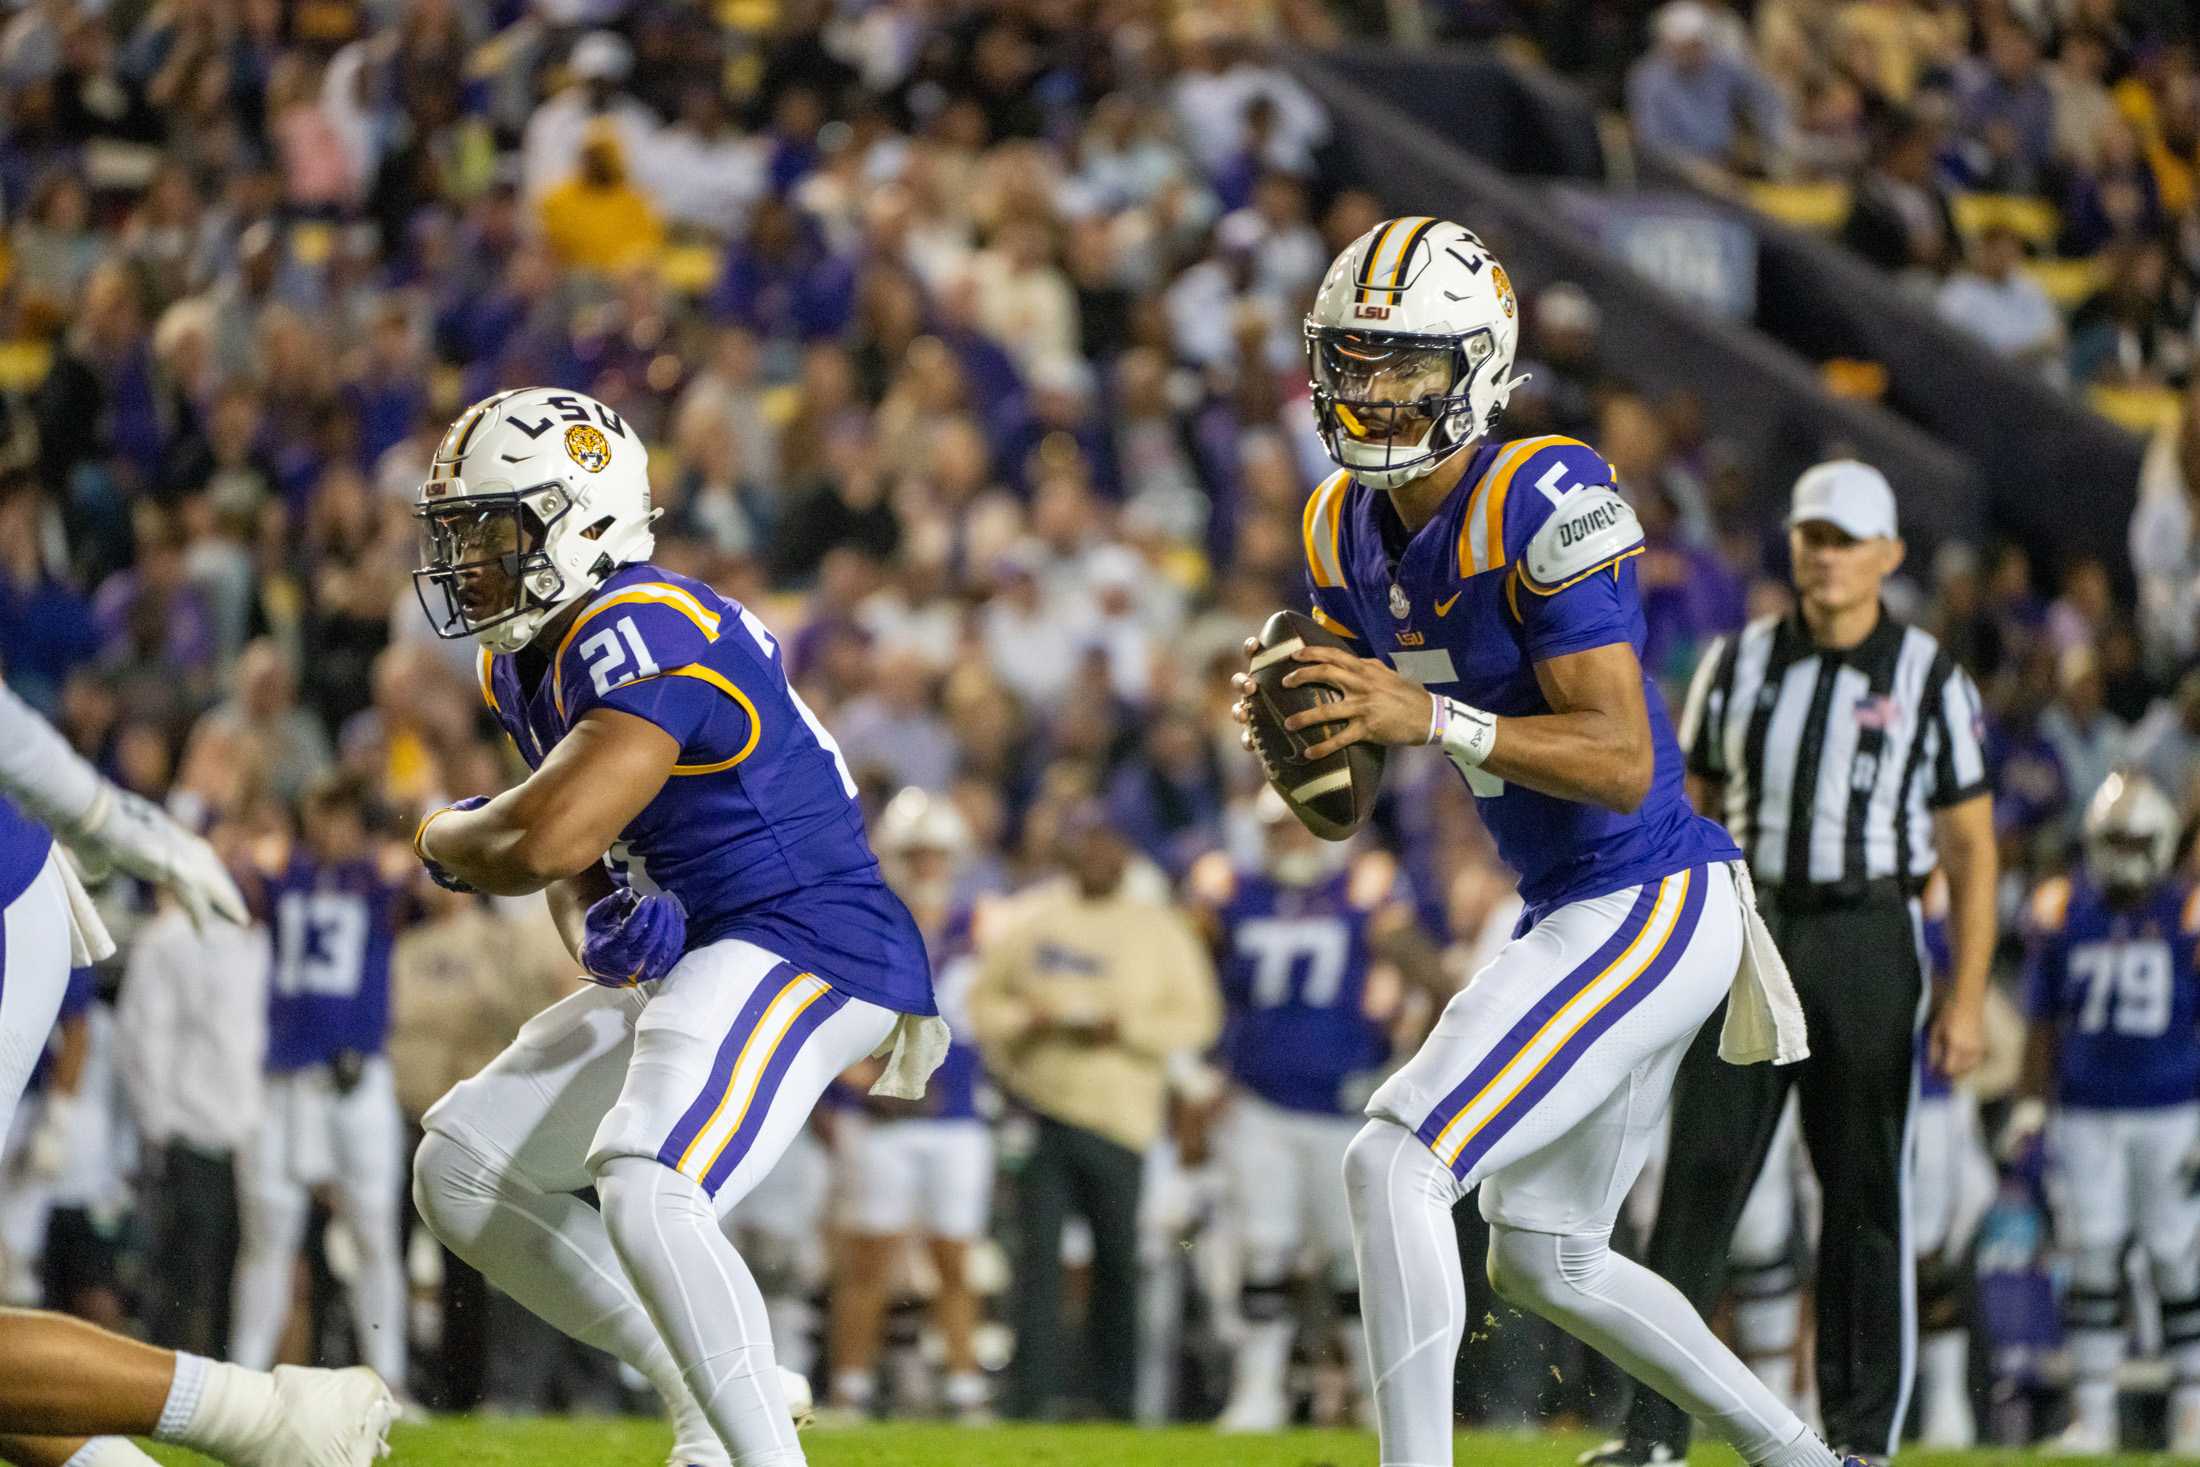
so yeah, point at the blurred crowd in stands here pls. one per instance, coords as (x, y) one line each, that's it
(965, 340)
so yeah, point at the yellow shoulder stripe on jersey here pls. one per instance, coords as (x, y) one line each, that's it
(1482, 528)
(1324, 514)
(657, 592)
(2051, 903)
(1612, 565)
(1327, 622)
(488, 684)
(722, 684)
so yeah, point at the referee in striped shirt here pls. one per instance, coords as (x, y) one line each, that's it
(1843, 750)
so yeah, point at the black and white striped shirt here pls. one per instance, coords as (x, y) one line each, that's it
(1834, 761)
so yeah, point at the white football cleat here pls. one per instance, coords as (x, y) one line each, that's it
(325, 1418)
(2082, 1439)
(1255, 1411)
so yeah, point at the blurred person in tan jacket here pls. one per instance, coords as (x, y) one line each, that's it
(1084, 991)
(462, 983)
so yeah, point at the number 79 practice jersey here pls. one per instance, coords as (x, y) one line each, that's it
(757, 830)
(1531, 558)
(2121, 985)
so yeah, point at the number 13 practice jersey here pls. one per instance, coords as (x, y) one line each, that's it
(757, 830)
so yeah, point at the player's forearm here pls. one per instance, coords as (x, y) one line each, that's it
(1967, 852)
(1587, 755)
(497, 850)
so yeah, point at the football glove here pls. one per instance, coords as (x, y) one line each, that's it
(127, 831)
(633, 938)
(439, 875)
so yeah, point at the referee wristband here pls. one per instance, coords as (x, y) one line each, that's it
(1467, 733)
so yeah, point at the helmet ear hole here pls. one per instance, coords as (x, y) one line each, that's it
(596, 530)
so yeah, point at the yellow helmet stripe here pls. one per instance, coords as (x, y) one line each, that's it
(1398, 271)
(1368, 266)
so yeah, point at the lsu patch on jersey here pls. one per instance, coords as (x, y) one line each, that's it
(757, 830)
(1293, 963)
(2121, 986)
(329, 993)
(1530, 559)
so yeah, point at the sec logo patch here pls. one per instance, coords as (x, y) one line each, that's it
(588, 447)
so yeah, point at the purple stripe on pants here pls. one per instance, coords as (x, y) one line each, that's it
(721, 1071)
(1556, 1068)
(1532, 1022)
(806, 1023)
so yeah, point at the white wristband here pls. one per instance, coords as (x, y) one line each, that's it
(1469, 733)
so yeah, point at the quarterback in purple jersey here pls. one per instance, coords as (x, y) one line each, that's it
(696, 832)
(1488, 590)
(1314, 945)
(2112, 984)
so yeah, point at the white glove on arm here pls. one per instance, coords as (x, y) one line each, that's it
(105, 823)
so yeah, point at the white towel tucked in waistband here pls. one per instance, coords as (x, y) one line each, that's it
(919, 1043)
(1764, 1018)
(89, 941)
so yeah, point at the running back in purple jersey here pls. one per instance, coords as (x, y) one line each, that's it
(2121, 986)
(335, 925)
(1457, 606)
(23, 847)
(757, 831)
(1293, 962)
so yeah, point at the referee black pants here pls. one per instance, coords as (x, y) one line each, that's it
(1856, 971)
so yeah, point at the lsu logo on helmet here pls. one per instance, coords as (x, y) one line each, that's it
(588, 447)
(1503, 282)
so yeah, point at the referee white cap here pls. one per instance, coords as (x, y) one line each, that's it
(1852, 495)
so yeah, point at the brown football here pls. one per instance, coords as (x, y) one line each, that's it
(1332, 796)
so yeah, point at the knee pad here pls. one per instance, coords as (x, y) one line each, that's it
(1385, 1153)
(636, 1193)
(1545, 1271)
(2095, 1300)
(1773, 1279)
(2181, 1332)
(1942, 1286)
(1265, 1302)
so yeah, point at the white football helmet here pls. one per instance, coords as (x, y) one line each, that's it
(1410, 346)
(2131, 832)
(535, 497)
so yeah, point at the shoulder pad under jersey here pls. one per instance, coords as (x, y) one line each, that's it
(1593, 528)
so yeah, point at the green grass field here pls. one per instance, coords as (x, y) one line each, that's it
(481, 1442)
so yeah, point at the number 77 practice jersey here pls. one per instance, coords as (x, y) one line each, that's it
(2121, 985)
(756, 830)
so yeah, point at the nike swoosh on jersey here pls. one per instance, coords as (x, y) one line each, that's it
(1443, 608)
